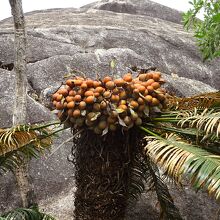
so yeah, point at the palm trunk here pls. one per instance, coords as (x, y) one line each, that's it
(19, 113)
(102, 175)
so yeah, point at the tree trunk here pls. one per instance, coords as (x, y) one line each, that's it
(19, 112)
(102, 174)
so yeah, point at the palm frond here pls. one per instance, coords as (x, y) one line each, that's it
(26, 214)
(168, 208)
(178, 158)
(202, 101)
(207, 121)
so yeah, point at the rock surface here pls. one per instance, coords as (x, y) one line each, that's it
(133, 33)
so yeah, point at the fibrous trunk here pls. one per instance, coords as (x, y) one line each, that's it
(102, 174)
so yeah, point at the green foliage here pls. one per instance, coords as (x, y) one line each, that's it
(207, 32)
(26, 214)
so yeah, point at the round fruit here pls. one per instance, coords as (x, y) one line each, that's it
(141, 89)
(70, 112)
(82, 105)
(141, 108)
(59, 97)
(59, 106)
(161, 96)
(134, 104)
(155, 85)
(99, 89)
(127, 77)
(83, 85)
(97, 84)
(71, 104)
(150, 89)
(54, 96)
(155, 101)
(77, 82)
(90, 99)
(148, 98)
(70, 83)
(102, 125)
(149, 75)
(103, 105)
(107, 94)
(142, 77)
(149, 82)
(110, 85)
(156, 76)
(88, 93)
(123, 107)
(76, 113)
(54, 103)
(122, 95)
(107, 79)
(69, 98)
(77, 98)
(96, 107)
(72, 93)
(96, 94)
(89, 83)
(140, 101)
(134, 116)
(119, 82)
(115, 98)
(111, 120)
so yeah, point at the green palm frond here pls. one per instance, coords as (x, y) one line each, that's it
(177, 158)
(202, 101)
(26, 214)
(24, 142)
(207, 121)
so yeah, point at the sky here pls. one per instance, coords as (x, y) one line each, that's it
(31, 5)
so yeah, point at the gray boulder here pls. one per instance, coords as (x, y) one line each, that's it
(133, 33)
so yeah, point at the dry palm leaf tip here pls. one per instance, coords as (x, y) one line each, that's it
(108, 104)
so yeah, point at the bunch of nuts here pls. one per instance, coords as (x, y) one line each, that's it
(108, 104)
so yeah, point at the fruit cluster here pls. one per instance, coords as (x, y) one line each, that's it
(104, 105)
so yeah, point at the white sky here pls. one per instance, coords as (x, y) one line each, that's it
(31, 5)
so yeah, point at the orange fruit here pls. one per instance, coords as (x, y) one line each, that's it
(127, 77)
(150, 89)
(134, 104)
(140, 101)
(107, 79)
(89, 99)
(54, 96)
(89, 93)
(77, 82)
(161, 97)
(122, 102)
(107, 94)
(156, 76)
(146, 92)
(97, 83)
(69, 98)
(122, 95)
(72, 93)
(149, 75)
(68, 88)
(70, 83)
(123, 107)
(82, 105)
(83, 85)
(119, 82)
(59, 97)
(156, 85)
(155, 101)
(110, 85)
(115, 91)
(96, 94)
(76, 113)
(114, 98)
(77, 98)
(149, 82)
(142, 77)
(89, 83)
(148, 98)
(54, 103)
(141, 89)
(99, 89)
(71, 104)
(59, 106)
(63, 92)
